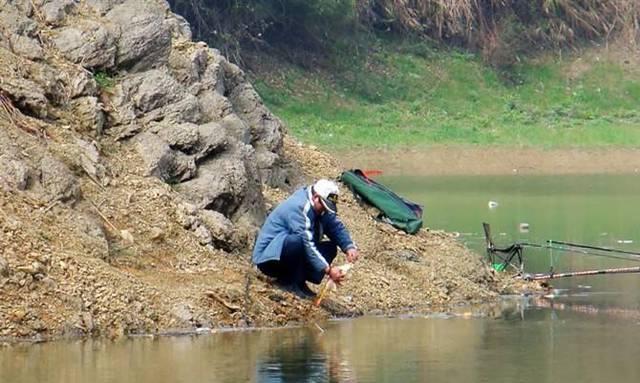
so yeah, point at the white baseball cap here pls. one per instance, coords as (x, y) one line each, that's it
(328, 192)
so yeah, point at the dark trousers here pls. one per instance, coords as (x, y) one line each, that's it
(293, 266)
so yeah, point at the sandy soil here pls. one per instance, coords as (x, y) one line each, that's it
(459, 160)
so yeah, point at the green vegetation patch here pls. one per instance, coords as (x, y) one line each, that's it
(418, 95)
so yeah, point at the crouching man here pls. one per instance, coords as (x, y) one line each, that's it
(290, 245)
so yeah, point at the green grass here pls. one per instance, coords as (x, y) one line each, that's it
(104, 80)
(415, 95)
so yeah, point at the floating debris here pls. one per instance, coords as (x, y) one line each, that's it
(625, 241)
(493, 204)
(523, 227)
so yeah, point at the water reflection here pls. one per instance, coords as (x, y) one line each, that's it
(307, 358)
(524, 342)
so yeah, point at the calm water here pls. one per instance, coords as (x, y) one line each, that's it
(600, 210)
(589, 331)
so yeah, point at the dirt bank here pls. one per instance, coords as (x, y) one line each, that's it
(166, 281)
(458, 160)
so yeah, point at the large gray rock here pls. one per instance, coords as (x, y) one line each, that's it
(161, 161)
(16, 22)
(220, 229)
(25, 7)
(92, 234)
(88, 43)
(214, 105)
(88, 156)
(26, 47)
(149, 90)
(227, 184)
(58, 181)
(212, 140)
(188, 65)
(81, 83)
(266, 129)
(236, 128)
(154, 95)
(199, 141)
(186, 109)
(25, 94)
(145, 39)
(54, 11)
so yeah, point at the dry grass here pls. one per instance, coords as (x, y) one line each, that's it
(493, 25)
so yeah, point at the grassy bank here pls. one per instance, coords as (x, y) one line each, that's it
(417, 95)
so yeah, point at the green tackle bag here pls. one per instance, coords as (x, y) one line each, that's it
(402, 214)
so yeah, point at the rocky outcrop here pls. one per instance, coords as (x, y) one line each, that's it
(193, 118)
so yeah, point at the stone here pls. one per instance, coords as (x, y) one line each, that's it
(54, 11)
(87, 322)
(26, 94)
(147, 91)
(236, 128)
(81, 84)
(26, 47)
(16, 22)
(186, 109)
(214, 105)
(220, 228)
(163, 162)
(58, 181)
(183, 137)
(156, 234)
(49, 283)
(87, 43)
(145, 39)
(5, 271)
(186, 215)
(227, 184)
(14, 173)
(212, 139)
(18, 315)
(92, 234)
(266, 129)
(183, 314)
(89, 158)
(88, 114)
(204, 235)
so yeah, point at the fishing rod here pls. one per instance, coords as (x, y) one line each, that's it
(544, 276)
(630, 256)
(605, 249)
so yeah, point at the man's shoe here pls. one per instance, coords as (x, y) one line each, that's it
(293, 289)
(306, 290)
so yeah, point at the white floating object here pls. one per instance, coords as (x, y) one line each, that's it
(493, 204)
(625, 241)
(523, 227)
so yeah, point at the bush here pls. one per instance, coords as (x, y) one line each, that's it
(233, 24)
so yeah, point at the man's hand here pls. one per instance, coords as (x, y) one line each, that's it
(352, 255)
(336, 275)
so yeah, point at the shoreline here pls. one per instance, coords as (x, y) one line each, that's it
(485, 309)
(476, 160)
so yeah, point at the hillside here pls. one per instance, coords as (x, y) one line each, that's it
(135, 168)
